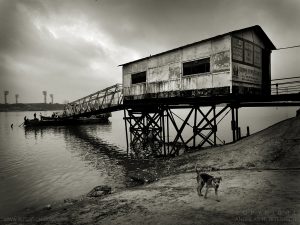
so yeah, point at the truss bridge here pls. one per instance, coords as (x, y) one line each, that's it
(149, 121)
(209, 79)
(107, 100)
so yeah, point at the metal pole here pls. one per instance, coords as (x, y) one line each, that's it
(237, 122)
(232, 124)
(130, 133)
(215, 126)
(195, 127)
(162, 117)
(125, 120)
(248, 131)
(168, 132)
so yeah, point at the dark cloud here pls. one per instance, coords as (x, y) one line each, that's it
(72, 47)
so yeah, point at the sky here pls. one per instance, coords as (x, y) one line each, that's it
(72, 48)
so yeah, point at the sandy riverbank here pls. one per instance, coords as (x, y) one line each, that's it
(260, 186)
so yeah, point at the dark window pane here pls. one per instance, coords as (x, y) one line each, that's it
(196, 67)
(138, 78)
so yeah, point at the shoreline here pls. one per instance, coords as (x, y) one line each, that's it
(260, 175)
(23, 107)
(173, 200)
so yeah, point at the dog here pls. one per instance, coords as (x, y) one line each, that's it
(210, 181)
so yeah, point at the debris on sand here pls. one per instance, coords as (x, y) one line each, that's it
(48, 207)
(99, 191)
(143, 176)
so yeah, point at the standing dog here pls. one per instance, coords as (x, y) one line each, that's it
(210, 181)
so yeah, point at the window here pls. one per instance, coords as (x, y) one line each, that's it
(246, 52)
(237, 49)
(195, 67)
(137, 78)
(257, 56)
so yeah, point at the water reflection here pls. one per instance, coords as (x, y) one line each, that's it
(85, 142)
(103, 155)
(35, 132)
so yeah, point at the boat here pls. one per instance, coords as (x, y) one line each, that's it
(61, 121)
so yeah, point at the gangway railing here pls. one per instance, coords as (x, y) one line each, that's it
(111, 99)
(282, 86)
(99, 102)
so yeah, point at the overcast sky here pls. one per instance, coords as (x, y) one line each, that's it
(73, 48)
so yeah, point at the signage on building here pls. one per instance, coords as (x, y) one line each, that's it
(246, 65)
(246, 74)
(237, 49)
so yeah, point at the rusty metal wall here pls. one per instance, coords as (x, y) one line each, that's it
(247, 61)
(164, 72)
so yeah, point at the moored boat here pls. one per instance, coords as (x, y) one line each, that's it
(61, 121)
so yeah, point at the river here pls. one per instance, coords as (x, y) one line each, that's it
(41, 166)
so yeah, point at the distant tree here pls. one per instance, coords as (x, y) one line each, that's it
(17, 97)
(5, 96)
(51, 96)
(45, 96)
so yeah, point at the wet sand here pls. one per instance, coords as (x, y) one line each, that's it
(260, 186)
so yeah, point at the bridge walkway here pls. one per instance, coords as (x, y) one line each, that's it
(284, 92)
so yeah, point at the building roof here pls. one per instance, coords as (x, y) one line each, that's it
(256, 28)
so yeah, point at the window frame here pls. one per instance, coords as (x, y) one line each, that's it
(254, 45)
(194, 60)
(139, 74)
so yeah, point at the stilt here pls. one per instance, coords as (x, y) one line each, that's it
(168, 132)
(215, 126)
(237, 123)
(195, 127)
(147, 128)
(233, 126)
(248, 131)
(162, 119)
(127, 143)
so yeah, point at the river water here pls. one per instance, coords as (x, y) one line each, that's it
(40, 166)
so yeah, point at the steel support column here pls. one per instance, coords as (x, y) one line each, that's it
(233, 126)
(146, 128)
(237, 123)
(153, 128)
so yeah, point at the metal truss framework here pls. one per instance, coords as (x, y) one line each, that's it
(96, 103)
(152, 127)
(156, 125)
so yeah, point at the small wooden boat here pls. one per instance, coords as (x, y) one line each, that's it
(48, 118)
(60, 121)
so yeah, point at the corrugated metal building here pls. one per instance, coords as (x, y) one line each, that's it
(237, 63)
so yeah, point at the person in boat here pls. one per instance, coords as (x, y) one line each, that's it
(25, 120)
(34, 115)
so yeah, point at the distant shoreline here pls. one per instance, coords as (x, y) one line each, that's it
(21, 107)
